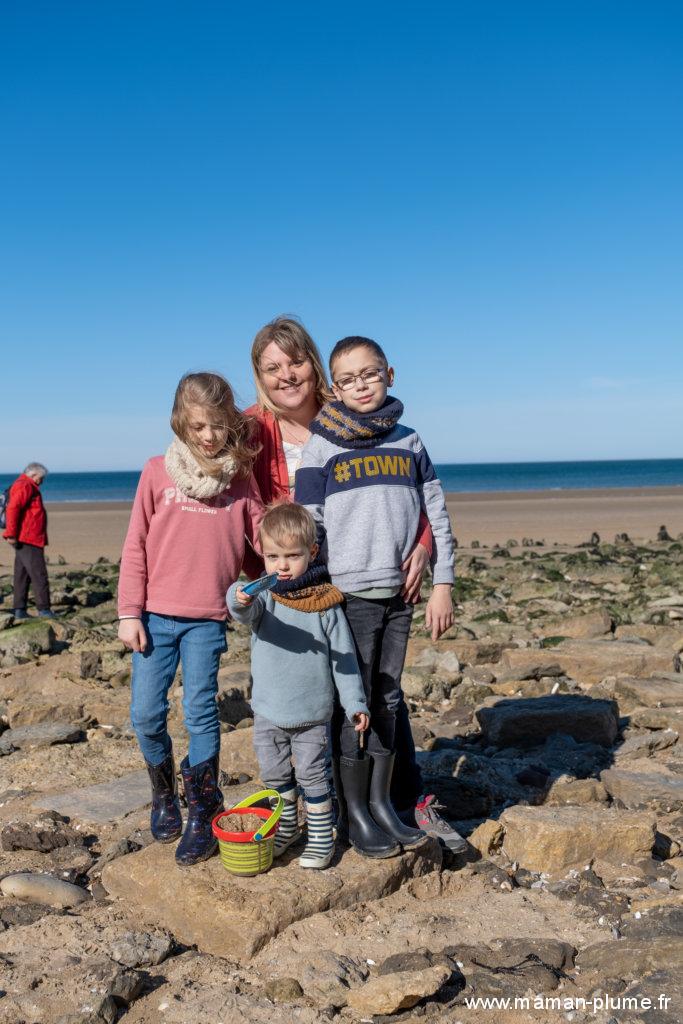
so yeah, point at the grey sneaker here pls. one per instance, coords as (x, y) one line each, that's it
(430, 821)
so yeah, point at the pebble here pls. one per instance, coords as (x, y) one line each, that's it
(141, 949)
(43, 889)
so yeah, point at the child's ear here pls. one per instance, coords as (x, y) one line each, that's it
(314, 551)
(337, 393)
(390, 376)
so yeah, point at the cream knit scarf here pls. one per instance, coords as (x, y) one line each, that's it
(190, 478)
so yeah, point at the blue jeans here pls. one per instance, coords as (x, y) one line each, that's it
(197, 644)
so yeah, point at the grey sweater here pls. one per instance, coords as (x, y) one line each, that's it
(297, 660)
(366, 503)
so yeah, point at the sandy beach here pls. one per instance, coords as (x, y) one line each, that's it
(81, 532)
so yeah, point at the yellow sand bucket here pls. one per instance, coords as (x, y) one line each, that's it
(249, 853)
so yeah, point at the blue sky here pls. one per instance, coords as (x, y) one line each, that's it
(492, 190)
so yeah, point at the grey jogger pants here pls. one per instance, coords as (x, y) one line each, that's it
(275, 749)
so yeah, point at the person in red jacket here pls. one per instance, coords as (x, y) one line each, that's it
(26, 531)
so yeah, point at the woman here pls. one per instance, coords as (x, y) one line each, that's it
(291, 388)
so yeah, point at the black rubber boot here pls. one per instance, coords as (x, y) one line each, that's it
(380, 804)
(204, 801)
(341, 817)
(166, 821)
(363, 833)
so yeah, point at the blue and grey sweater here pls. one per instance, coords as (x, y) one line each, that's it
(366, 499)
(298, 658)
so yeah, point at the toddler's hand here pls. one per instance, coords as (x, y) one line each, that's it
(243, 598)
(439, 615)
(132, 634)
(362, 721)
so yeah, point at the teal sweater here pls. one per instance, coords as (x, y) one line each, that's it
(297, 661)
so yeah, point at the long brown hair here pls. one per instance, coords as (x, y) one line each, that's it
(211, 391)
(292, 338)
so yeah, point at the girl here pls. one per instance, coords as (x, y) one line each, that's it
(184, 547)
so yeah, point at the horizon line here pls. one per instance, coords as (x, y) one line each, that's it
(437, 462)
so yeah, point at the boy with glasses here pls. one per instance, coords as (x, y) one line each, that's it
(365, 478)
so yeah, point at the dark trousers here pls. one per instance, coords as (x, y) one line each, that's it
(380, 630)
(30, 569)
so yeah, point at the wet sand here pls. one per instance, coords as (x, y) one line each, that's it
(83, 531)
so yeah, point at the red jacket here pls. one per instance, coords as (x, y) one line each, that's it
(272, 476)
(270, 469)
(26, 515)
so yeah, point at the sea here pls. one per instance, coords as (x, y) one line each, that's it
(456, 477)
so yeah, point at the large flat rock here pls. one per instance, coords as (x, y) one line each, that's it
(555, 838)
(43, 734)
(580, 627)
(659, 790)
(27, 640)
(631, 958)
(657, 718)
(234, 917)
(589, 661)
(105, 802)
(36, 712)
(656, 692)
(468, 652)
(529, 721)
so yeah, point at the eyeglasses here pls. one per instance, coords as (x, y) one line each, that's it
(367, 376)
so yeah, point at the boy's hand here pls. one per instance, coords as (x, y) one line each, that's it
(362, 721)
(243, 598)
(439, 615)
(132, 634)
(414, 568)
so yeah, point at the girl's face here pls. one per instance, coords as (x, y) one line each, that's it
(206, 430)
(288, 382)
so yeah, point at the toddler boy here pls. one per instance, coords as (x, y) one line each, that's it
(302, 650)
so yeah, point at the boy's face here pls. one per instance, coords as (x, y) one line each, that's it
(348, 384)
(288, 557)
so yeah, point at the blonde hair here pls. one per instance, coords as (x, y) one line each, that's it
(212, 392)
(285, 519)
(292, 338)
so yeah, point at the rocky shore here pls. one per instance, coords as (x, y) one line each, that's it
(547, 723)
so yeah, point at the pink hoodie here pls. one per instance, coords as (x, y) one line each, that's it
(181, 555)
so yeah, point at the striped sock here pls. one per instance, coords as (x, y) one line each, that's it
(288, 830)
(320, 841)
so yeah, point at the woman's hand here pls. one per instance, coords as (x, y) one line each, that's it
(362, 721)
(414, 568)
(439, 614)
(132, 634)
